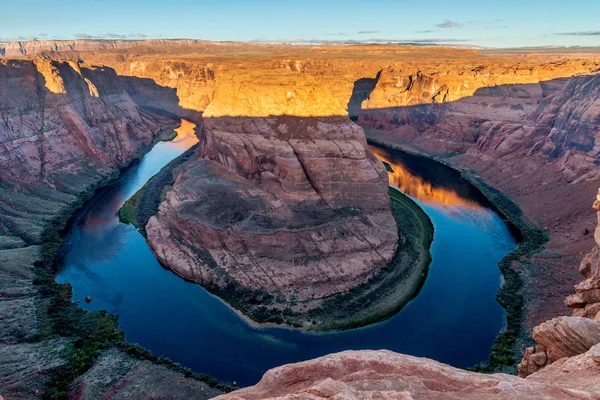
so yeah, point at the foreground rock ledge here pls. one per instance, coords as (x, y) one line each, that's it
(387, 375)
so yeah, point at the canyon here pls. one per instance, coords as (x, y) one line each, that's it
(277, 145)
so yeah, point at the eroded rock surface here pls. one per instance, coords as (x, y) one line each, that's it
(586, 300)
(384, 374)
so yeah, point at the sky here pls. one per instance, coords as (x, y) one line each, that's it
(492, 23)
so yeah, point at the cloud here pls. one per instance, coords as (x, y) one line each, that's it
(42, 34)
(337, 34)
(420, 41)
(428, 31)
(367, 32)
(432, 41)
(13, 39)
(110, 35)
(581, 33)
(83, 36)
(449, 24)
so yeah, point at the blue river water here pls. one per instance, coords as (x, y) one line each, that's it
(454, 319)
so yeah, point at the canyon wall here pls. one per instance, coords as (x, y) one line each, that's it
(531, 133)
(64, 129)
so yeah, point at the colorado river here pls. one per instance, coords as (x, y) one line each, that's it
(454, 319)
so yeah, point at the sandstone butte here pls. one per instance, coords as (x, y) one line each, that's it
(74, 112)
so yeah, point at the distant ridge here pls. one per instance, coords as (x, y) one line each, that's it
(31, 47)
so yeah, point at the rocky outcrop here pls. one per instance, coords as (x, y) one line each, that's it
(384, 374)
(581, 372)
(559, 338)
(586, 300)
(117, 376)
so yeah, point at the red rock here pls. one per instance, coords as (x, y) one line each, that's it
(567, 336)
(387, 375)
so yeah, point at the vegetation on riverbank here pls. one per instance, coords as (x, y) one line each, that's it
(90, 333)
(393, 286)
(503, 356)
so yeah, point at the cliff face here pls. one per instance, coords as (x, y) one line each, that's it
(292, 206)
(63, 128)
(61, 118)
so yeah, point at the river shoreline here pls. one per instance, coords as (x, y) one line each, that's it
(531, 238)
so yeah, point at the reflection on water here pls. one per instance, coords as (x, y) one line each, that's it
(454, 319)
(186, 136)
(416, 186)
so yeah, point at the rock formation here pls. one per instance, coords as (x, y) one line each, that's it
(387, 375)
(280, 200)
(586, 300)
